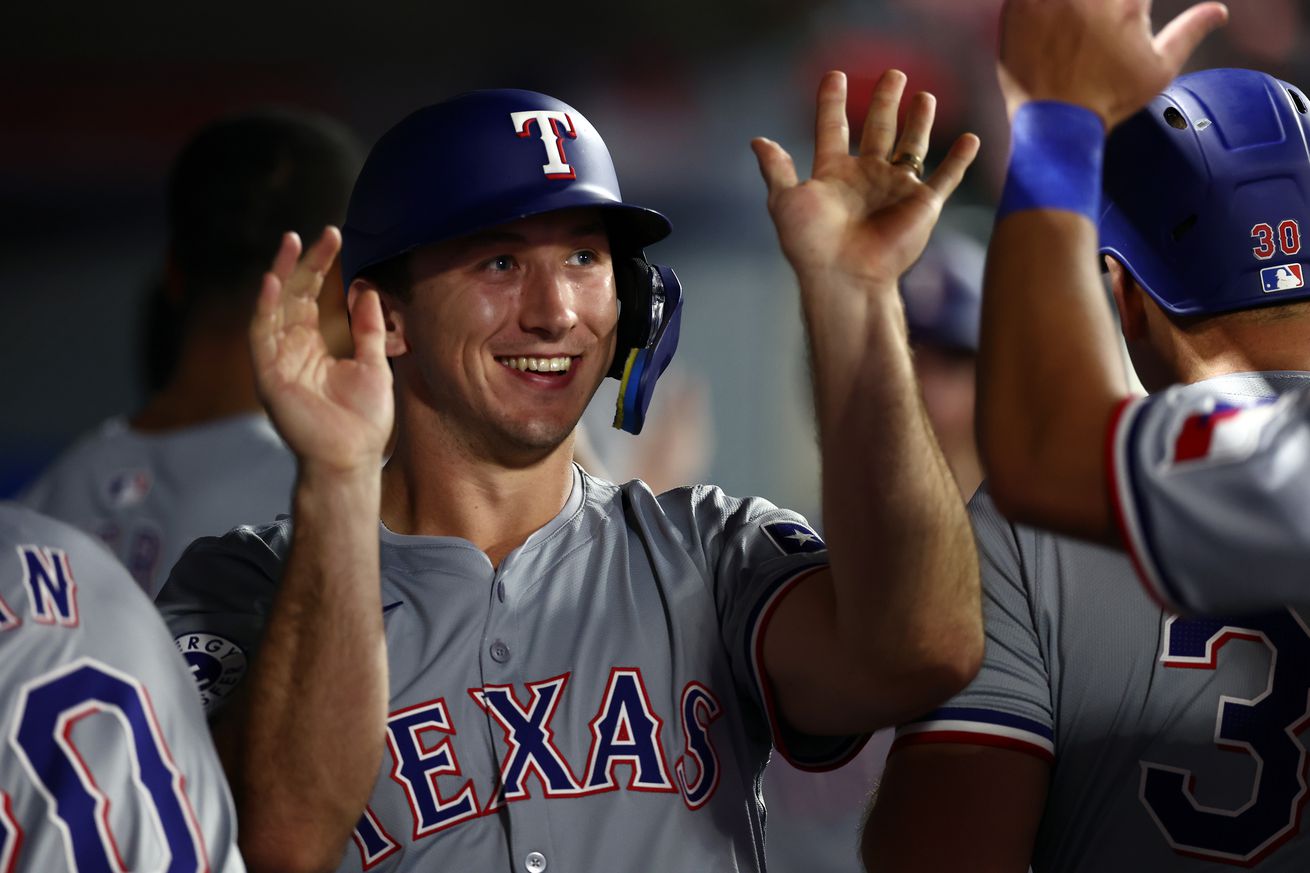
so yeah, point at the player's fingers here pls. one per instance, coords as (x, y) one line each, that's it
(1180, 37)
(324, 252)
(316, 263)
(1007, 9)
(880, 122)
(266, 321)
(832, 131)
(948, 174)
(288, 253)
(368, 329)
(776, 166)
(918, 128)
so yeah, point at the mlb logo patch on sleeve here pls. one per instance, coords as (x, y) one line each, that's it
(793, 538)
(127, 488)
(1282, 278)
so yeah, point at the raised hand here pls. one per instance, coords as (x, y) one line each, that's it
(1100, 54)
(335, 413)
(861, 217)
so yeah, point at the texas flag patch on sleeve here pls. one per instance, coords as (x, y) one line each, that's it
(793, 538)
(1224, 434)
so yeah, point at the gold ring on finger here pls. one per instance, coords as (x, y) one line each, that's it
(911, 161)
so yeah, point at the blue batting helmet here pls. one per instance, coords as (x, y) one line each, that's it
(1207, 190)
(486, 158)
(943, 292)
(478, 160)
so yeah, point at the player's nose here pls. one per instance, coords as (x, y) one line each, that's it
(548, 307)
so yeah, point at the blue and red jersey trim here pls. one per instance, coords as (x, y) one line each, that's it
(843, 751)
(975, 726)
(1128, 510)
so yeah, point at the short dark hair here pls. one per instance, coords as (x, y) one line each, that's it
(392, 276)
(241, 183)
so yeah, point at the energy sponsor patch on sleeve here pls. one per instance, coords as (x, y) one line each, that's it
(793, 538)
(217, 664)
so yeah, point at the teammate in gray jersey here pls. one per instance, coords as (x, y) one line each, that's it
(552, 672)
(106, 763)
(1210, 498)
(1105, 733)
(148, 494)
(201, 455)
(1212, 492)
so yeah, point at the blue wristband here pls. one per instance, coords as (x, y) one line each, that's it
(1055, 160)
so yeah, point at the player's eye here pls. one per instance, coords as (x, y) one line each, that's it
(583, 258)
(499, 264)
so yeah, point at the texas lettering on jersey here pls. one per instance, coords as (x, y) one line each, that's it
(626, 731)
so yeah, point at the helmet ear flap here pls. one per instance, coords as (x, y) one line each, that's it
(633, 281)
(650, 319)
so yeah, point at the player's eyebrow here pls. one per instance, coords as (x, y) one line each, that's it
(591, 228)
(491, 237)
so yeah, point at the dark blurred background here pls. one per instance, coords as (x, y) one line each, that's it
(97, 99)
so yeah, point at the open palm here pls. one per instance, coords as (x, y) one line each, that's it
(861, 215)
(333, 412)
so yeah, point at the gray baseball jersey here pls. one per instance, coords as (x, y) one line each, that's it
(149, 495)
(1211, 485)
(596, 703)
(1174, 742)
(106, 762)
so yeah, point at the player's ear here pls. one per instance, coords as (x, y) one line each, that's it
(395, 344)
(1128, 299)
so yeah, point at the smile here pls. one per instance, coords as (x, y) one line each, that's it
(537, 365)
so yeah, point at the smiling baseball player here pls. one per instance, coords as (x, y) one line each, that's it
(551, 671)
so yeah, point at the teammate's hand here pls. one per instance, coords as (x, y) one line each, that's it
(333, 412)
(861, 217)
(1100, 54)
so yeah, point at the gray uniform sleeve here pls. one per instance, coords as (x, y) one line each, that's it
(1209, 494)
(1008, 704)
(216, 602)
(758, 553)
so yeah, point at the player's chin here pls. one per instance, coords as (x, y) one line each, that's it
(541, 434)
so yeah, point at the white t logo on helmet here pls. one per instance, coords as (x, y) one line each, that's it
(553, 126)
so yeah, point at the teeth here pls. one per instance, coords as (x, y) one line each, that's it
(538, 365)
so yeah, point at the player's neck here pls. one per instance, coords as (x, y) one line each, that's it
(1242, 346)
(434, 486)
(213, 379)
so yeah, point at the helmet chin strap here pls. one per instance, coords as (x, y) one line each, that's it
(644, 366)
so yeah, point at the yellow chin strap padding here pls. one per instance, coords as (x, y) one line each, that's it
(623, 386)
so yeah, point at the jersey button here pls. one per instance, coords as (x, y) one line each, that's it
(535, 862)
(500, 652)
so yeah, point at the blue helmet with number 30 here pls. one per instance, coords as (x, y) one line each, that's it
(1207, 193)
